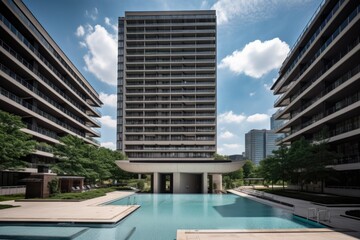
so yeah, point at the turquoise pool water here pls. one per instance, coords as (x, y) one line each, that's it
(160, 215)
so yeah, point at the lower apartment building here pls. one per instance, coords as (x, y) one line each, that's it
(41, 85)
(319, 86)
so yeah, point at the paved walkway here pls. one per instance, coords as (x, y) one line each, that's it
(88, 211)
(342, 228)
(302, 207)
(288, 234)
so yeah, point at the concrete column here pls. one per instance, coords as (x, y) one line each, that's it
(176, 182)
(205, 182)
(217, 179)
(156, 183)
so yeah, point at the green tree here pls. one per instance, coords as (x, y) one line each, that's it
(14, 144)
(269, 169)
(73, 156)
(220, 157)
(248, 169)
(300, 160)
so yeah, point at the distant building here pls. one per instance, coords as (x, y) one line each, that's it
(259, 144)
(318, 86)
(236, 157)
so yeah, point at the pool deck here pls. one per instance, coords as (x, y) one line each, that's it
(272, 234)
(88, 211)
(342, 228)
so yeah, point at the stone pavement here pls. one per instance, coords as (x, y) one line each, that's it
(88, 211)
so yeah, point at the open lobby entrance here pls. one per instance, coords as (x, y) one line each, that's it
(197, 177)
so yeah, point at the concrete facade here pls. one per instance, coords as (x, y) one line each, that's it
(318, 88)
(41, 85)
(167, 95)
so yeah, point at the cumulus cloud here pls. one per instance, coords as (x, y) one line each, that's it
(226, 135)
(108, 121)
(109, 145)
(267, 87)
(108, 23)
(93, 14)
(258, 117)
(252, 94)
(230, 117)
(108, 99)
(232, 145)
(80, 31)
(257, 58)
(250, 10)
(101, 59)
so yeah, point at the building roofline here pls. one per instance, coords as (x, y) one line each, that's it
(180, 12)
(30, 16)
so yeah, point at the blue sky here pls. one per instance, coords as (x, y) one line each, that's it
(253, 38)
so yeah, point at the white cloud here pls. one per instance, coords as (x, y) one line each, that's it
(226, 135)
(93, 14)
(257, 58)
(108, 23)
(101, 59)
(80, 31)
(108, 121)
(258, 117)
(252, 94)
(267, 87)
(232, 145)
(109, 145)
(230, 117)
(249, 10)
(108, 99)
(204, 4)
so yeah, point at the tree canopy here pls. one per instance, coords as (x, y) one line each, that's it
(75, 157)
(14, 144)
(302, 162)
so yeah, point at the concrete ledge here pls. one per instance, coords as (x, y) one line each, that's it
(268, 234)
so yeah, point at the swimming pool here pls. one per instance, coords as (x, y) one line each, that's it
(160, 215)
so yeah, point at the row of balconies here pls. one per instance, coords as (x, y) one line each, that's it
(172, 68)
(44, 114)
(173, 75)
(312, 39)
(169, 38)
(168, 138)
(167, 60)
(170, 82)
(46, 80)
(169, 30)
(48, 100)
(169, 121)
(168, 114)
(341, 54)
(171, 52)
(165, 130)
(57, 56)
(169, 147)
(169, 99)
(169, 91)
(150, 155)
(315, 56)
(167, 106)
(172, 45)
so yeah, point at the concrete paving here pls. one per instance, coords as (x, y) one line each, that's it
(288, 234)
(88, 211)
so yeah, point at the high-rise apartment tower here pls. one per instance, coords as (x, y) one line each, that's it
(167, 92)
